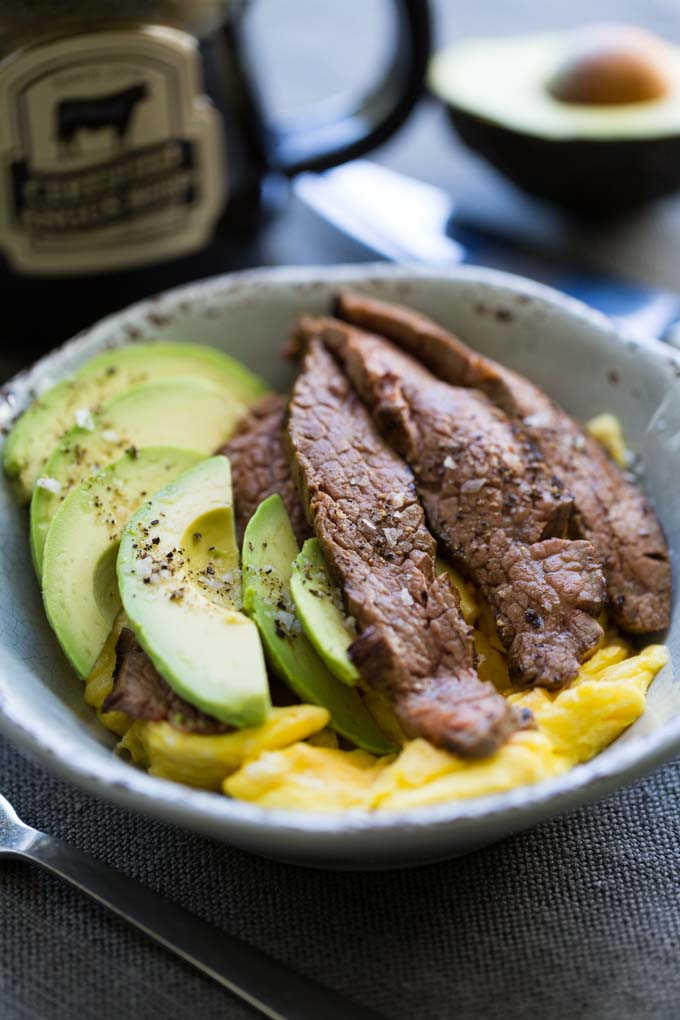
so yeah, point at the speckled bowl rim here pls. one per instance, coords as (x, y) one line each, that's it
(245, 823)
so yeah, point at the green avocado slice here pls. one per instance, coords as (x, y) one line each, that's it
(38, 430)
(80, 589)
(188, 413)
(179, 583)
(269, 548)
(319, 607)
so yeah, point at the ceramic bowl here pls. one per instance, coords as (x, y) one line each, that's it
(581, 358)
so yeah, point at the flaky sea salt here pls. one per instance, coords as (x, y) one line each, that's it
(405, 597)
(391, 535)
(84, 419)
(286, 619)
(449, 463)
(473, 485)
(145, 566)
(539, 420)
(51, 484)
(109, 436)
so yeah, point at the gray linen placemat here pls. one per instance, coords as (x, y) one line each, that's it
(579, 918)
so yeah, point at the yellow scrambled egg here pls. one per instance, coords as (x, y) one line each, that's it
(606, 428)
(572, 726)
(293, 760)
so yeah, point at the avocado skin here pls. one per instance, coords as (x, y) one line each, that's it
(589, 179)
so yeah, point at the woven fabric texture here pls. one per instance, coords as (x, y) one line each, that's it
(578, 918)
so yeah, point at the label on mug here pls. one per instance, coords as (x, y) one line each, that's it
(111, 156)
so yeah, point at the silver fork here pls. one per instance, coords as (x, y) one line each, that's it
(268, 986)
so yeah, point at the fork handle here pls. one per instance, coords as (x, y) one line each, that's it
(265, 984)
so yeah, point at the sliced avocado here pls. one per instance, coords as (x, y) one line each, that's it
(177, 573)
(589, 119)
(269, 548)
(38, 430)
(319, 606)
(188, 413)
(80, 588)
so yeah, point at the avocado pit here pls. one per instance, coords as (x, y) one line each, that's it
(612, 64)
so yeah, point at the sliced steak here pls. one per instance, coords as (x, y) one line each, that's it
(489, 500)
(611, 511)
(141, 692)
(413, 643)
(259, 465)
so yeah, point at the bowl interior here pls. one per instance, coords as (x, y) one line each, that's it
(575, 354)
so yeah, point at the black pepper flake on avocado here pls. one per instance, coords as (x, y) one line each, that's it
(154, 522)
(197, 536)
(155, 540)
(210, 569)
(280, 632)
(133, 452)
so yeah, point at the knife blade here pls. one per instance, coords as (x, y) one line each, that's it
(406, 220)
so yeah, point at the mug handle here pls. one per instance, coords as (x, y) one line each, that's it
(379, 113)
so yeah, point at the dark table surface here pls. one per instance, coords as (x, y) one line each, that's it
(578, 918)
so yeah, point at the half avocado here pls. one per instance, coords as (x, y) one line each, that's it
(80, 588)
(269, 548)
(188, 413)
(177, 573)
(38, 430)
(588, 119)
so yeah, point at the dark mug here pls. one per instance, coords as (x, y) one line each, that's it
(136, 146)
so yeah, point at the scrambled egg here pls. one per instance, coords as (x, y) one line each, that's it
(200, 760)
(572, 726)
(606, 428)
(293, 760)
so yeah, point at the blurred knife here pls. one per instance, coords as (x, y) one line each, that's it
(406, 220)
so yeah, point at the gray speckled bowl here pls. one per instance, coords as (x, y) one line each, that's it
(577, 355)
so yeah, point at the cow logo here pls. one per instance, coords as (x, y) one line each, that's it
(110, 155)
(115, 111)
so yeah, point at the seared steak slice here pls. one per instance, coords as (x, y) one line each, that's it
(259, 464)
(413, 643)
(488, 499)
(611, 511)
(141, 692)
